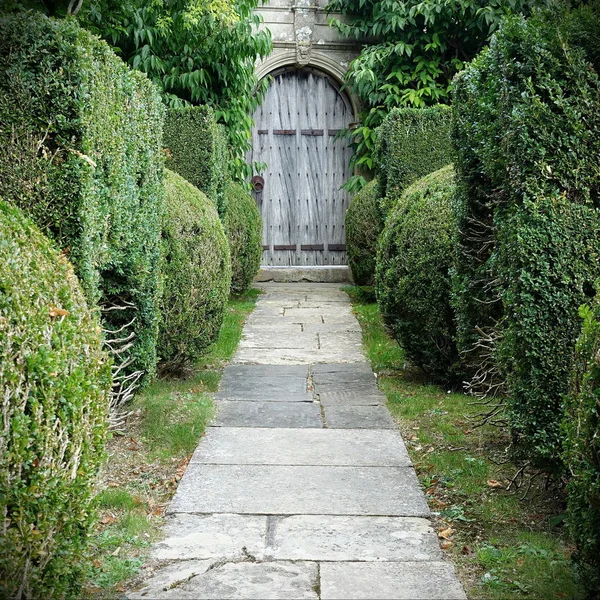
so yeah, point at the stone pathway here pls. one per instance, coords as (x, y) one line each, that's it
(302, 487)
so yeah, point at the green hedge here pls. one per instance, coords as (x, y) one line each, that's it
(364, 223)
(197, 275)
(243, 226)
(413, 281)
(54, 383)
(411, 143)
(81, 152)
(581, 429)
(527, 131)
(197, 150)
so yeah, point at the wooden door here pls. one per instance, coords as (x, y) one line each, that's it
(302, 205)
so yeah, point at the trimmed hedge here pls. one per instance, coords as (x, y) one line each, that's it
(581, 429)
(81, 152)
(197, 150)
(411, 143)
(54, 384)
(364, 224)
(243, 226)
(413, 282)
(527, 131)
(197, 275)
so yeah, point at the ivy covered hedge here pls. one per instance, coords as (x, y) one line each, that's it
(197, 275)
(364, 223)
(197, 150)
(413, 283)
(81, 152)
(527, 131)
(581, 428)
(411, 143)
(243, 226)
(54, 383)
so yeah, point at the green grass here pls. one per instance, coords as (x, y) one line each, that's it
(147, 460)
(504, 547)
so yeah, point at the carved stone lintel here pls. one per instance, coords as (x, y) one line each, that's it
(303, 50)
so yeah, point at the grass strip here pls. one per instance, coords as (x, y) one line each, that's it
(503, 545)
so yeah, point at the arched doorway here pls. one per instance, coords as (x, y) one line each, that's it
(302, 205)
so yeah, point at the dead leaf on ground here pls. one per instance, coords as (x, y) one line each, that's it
(108, 519)
(494, 484)
(466, 550)
(446, 533)
(446, 544)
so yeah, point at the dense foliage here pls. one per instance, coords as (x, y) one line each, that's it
(196, 51)
(54, 383)
(364, 223)
(412, 142)
(419, 47)
(197, 275)
(581, 428)
(243, 226)
(81, 152)
(527, 130)
(413, 281)
(196, 150)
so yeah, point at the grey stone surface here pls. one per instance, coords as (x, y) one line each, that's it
(310, 490)
(358, 417)
(334, 274)
(345, 378)
(350, 398)
(339, 367)
(349, 538)
(390, 581)
(335, 447)
(356, 388)
(164, 582)
(219, 536)
(233, 372)
(242, 581)
(266, 389)
(291, 356)
(267, 414)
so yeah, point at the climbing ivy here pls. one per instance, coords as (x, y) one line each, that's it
(420, 46)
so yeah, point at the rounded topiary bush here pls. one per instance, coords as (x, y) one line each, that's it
(413, 283)
(581, 448)
(364, 223)
(243, 227)
(196, 275)
(54, 384)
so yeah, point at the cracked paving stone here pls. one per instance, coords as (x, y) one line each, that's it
(237, 413)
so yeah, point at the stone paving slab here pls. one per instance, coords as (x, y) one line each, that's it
(222, 536)
(358, 417)
(351, 399)
(349, 538)
(390, 581)
(241, 581)
(347, 379)
(232, 372)
(239, 413)
(309, 490)
(161, 583)
(340, 367)
(253, 356)
(319, 447)
(298, 341)
(356, 388)
(265, 389)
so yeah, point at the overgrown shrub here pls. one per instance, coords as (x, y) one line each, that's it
(364, 223)
(243, 226)
(527, 131)
(54, 383)
(411, 143)
(581, 428)
(197, 275)
(197, 150)
(413, 281)
(81, 152)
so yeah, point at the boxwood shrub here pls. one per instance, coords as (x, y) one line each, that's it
(581, 429)
(527, 131)
(197, 150)
(81, 152)
(243, 226)
(197, 275)
(54, 383)
(413, 281)
(411, 143)
(364, 223)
